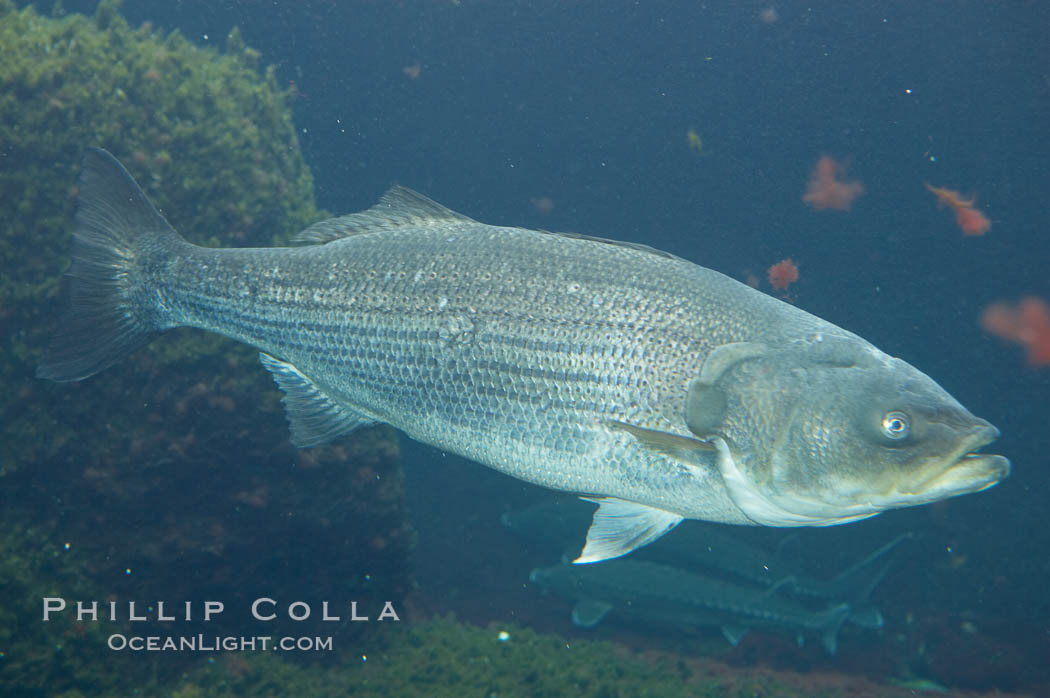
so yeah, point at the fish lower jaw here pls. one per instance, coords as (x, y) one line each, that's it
(971, 472)
(996, 468)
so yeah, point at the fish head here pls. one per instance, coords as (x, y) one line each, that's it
(829, 430)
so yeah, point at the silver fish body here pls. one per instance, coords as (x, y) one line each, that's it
(610, 370)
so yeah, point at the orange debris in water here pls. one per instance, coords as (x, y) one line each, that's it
(542, 204)
(412, 71)
(972, 221)
(1028, 324)
(782, 274)
(828, 187)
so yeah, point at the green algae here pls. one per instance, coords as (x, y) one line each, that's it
(444, 658)
(39, 658)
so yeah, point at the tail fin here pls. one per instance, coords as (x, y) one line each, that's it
(108, 315)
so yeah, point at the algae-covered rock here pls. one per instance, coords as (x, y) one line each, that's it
(208, 137)
(170, 474)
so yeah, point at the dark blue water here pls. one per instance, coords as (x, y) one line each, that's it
(574, 116)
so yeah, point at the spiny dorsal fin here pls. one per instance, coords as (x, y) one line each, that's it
(399, 207)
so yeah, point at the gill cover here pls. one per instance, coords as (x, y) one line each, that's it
(770, 387)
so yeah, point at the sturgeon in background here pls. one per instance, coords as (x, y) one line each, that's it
(655, 387)
(705, 548)
(662, 595)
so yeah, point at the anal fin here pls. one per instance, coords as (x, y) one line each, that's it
(314, 417)
(620, 526)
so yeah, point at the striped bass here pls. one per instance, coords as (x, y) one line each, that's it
(655, 387)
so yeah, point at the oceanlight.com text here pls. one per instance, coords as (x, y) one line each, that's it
(215, 643)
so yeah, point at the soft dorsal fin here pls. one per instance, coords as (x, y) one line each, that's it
(636, 246)
(399, 207)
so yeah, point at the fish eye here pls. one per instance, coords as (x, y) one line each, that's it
(895, 425)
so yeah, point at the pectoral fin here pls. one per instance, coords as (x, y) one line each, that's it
(678, 447)
(588, 613)
(620, 526)
(314, 417)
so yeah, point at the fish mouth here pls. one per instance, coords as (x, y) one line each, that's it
(969, 471)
